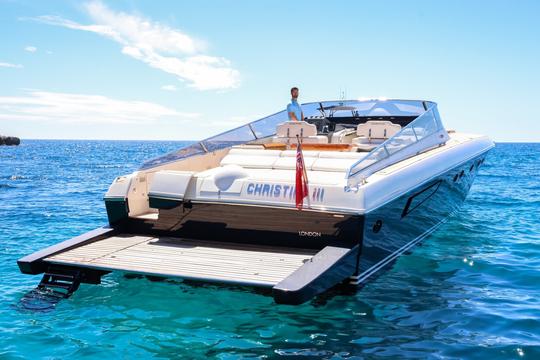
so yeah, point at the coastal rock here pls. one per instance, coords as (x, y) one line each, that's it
(9, 140)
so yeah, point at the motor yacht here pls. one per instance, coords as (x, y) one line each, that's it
(382, 175)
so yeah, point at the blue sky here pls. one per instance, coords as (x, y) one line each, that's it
(186, 70)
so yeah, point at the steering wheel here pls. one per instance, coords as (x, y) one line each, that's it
(323, 125)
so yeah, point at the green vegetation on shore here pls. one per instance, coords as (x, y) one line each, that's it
(9, 140)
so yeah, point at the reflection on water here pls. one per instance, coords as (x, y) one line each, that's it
(469, 291)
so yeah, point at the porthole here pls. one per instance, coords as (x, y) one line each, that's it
(377, 226)
(471, 168)
(461, 174)
(456, 177)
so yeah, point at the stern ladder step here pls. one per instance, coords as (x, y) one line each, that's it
(62, 284)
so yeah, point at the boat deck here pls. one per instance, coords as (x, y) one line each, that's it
(244, 264)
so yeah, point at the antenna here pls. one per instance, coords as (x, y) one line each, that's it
(342, 94)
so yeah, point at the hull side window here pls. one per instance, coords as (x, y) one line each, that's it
(419, 198)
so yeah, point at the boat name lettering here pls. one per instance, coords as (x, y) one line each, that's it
(282, 191)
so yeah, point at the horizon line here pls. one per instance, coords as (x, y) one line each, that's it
(57, 139)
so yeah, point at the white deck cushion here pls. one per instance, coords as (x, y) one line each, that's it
(249, 161)
(341, 155)
(170, 184)
(377, 129)
(367, 146)
(341, 165)
(287, 132)
(365, 140)
(286, 160)
(289, 163)
(292, 153)
(257, 152)
(343, 136)
(374, 132)
(251, 158)
(293, 128)
(319, 139)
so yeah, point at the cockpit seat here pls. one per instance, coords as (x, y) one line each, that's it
(374, 132)
(287, 131)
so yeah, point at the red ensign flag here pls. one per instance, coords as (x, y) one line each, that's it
(302, 190)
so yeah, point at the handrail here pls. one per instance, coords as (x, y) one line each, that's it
(408, 138)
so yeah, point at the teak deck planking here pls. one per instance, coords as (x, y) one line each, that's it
(190, 259)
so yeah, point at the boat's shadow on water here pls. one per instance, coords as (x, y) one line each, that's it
(343, 289)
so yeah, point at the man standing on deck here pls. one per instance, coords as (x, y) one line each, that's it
(294, 109)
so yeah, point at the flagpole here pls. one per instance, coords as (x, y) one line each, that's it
(307, 182)
(304, 171)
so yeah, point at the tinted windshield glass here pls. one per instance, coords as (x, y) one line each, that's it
(188, 151)
(266, 127)
(367, 108)
(423, 128)
(256, 130)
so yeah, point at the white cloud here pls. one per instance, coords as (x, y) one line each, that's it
(31, 49)
(157, 45)
(169, 88)
(9, 65)
(80, 108)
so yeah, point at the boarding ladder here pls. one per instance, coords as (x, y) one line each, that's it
(60, 283)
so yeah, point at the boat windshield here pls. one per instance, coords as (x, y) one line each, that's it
(425, 132)
(365, 108)
(266, 127)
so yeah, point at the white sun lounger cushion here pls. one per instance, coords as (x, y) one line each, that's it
(338, 165)
(292, 153)
(256, 152)
(341, 155)
(249, 161)
(289, 163)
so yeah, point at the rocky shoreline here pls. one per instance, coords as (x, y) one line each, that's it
(9, 140)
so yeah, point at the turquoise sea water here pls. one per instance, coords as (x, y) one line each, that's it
(472, 290)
